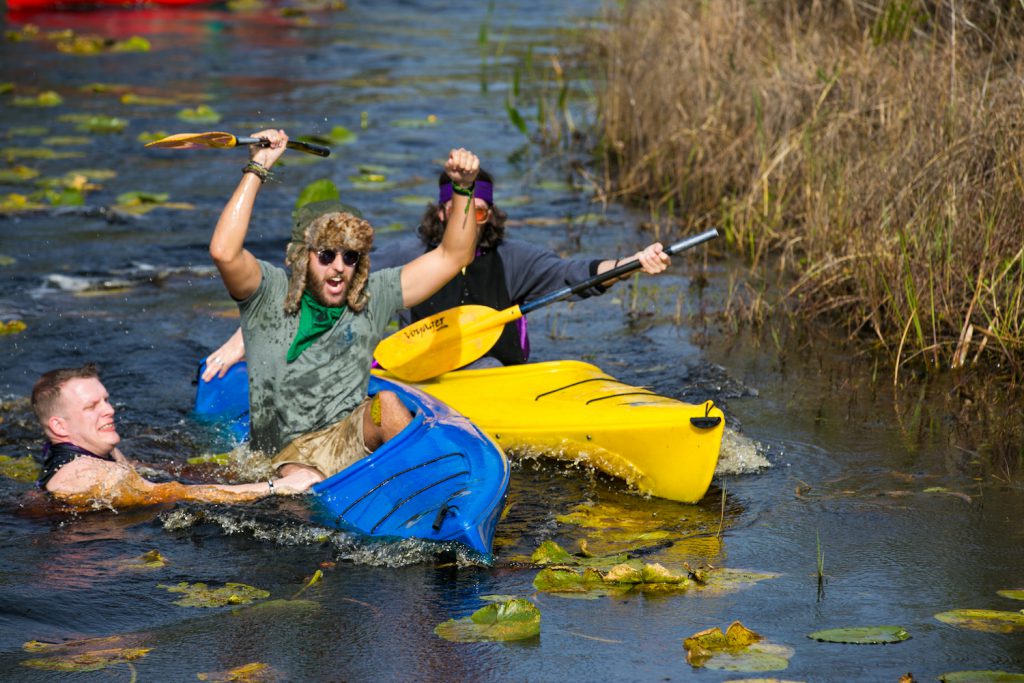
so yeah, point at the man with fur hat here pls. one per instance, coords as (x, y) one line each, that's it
(310, 336)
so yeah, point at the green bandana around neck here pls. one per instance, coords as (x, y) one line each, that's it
(314, 320)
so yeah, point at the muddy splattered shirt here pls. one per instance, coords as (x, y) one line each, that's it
(329, 379)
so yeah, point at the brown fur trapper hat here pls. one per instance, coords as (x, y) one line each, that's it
(328, 225)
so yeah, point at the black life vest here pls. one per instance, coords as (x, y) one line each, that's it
(483, 283)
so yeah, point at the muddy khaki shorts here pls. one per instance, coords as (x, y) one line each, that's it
(331, 449)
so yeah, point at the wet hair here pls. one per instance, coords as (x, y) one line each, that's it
(431, 228)
(46, 392)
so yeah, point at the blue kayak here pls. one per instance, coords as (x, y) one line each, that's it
(440, 479)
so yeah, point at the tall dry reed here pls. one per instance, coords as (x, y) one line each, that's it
(871, 148)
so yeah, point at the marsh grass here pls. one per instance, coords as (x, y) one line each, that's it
(868, 153)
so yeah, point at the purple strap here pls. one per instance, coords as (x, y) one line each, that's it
(482, 190)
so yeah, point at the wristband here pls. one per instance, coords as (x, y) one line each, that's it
(257, 169)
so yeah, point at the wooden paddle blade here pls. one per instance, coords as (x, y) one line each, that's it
(216, 140)
(443, 342)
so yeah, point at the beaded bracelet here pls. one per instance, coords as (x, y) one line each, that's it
(257, 169)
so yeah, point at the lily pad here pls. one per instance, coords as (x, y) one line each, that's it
(131, 98)
(47, 98)
(151, 560)
(339, 135)
(18, 202)
(981, 677)
(254, 672)
(726, 580)
(1012, 593)
(17, 174)
(430, 120)
(66, 140)
(512, 620)
(317, 191)
(738, 649)
(12, 153)
(987, 620)
(200, 114)
(550, 552)
(624, 577)
(201, 595)
(12, 327)
(91, 654)
(862, 635)
(24, 469)
(221, 459)
(102, 124)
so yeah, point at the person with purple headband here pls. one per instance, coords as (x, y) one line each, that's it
(505, 272)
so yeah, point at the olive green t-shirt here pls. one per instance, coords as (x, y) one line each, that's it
(329, 379)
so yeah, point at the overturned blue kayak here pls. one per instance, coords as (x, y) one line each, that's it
(440, 479)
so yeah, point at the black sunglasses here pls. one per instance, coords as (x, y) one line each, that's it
(349, 257)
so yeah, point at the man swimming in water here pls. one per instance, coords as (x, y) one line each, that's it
(82, 465)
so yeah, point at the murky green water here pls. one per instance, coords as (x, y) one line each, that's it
(908, 525)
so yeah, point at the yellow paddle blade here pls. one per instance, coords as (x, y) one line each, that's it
(193, 140)
(445, 341)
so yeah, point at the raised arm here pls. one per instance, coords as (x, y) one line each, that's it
(238, 267)
(426, 274)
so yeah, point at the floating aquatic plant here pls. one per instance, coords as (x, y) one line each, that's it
(1012, 593)
(515, 619)
(201, 595)
(46, 98)
(339, 135)
(13, 327)
(18, 202)
(200, 114)
(24, 469)
(12, 153)
(981, 677)
(988, 620)
(738, 649)
(430, 120)
(77, 656)
(862, 635)
(150, 136)
(150, 560)
(219, 459)
(254, 672)
(17, 174)
(98, 124)
(131, 98)
(624, 577)
(139, 202)
(318, 191)
(66, 140)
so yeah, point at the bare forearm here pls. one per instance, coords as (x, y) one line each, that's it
(228, 239)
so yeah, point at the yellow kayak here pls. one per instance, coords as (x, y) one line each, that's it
(575, 411)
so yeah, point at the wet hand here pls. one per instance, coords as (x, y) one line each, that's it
(218, 362)
(266, 156)
(462, 166)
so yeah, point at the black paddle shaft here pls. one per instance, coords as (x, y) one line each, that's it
(566, 292)
(307, 147)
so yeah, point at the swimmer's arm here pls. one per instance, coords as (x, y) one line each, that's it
(87, 475)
